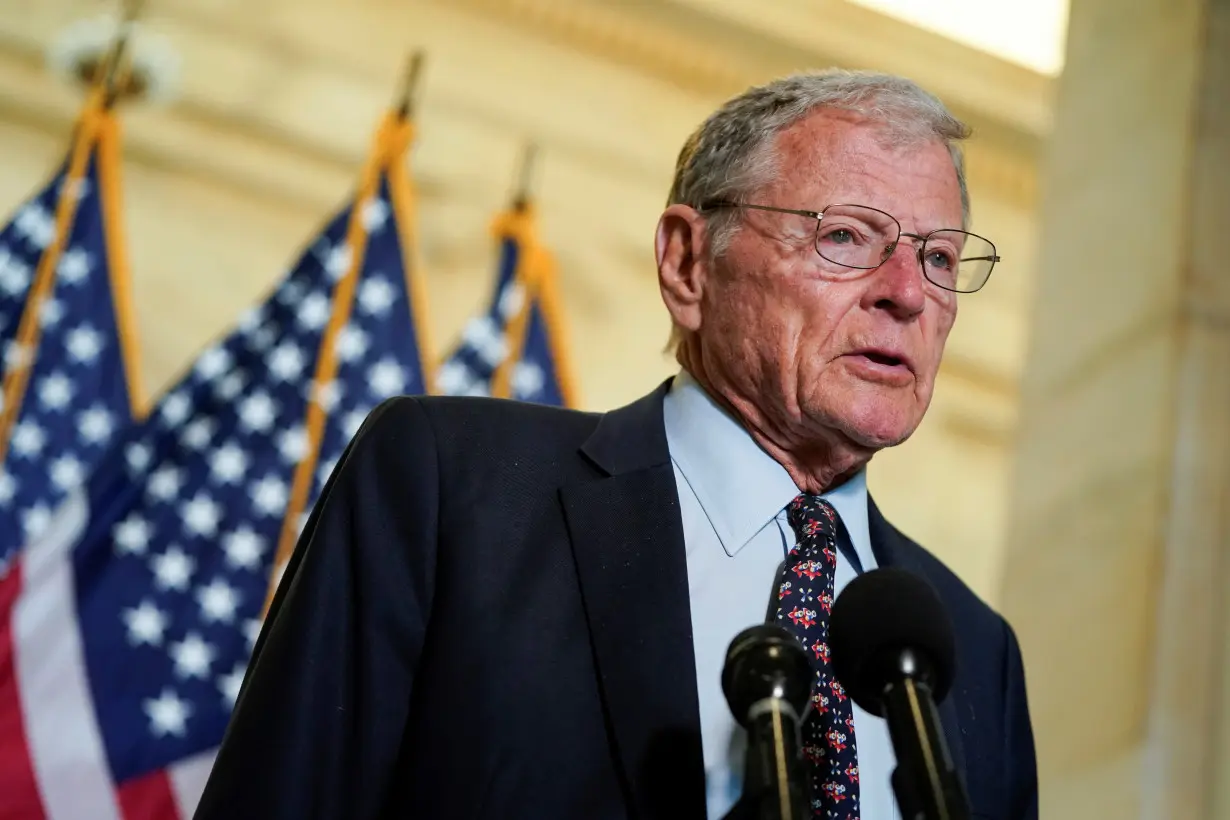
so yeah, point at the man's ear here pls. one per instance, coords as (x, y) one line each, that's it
(680, 247)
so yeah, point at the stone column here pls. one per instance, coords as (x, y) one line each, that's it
(1113, 574)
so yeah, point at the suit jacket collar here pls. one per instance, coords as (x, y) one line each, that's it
(632, 437)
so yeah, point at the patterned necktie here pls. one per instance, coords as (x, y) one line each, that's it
(804, 602)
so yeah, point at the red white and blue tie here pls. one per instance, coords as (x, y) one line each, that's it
(804, 601)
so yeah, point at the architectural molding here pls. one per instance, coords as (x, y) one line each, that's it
(719, 47)
(706, 47)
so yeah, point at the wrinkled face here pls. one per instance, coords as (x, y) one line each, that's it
(814, 346)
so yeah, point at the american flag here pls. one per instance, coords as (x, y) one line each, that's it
(77, 395)
(133, 620)
(519, 332)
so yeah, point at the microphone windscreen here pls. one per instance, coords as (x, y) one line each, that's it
(879, 614)
(766, 661)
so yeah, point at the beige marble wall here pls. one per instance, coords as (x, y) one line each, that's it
(1188, 743)
(225, 184)
(1112, 573)
(1192, 699)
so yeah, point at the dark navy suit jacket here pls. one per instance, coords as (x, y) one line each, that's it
(487, 617)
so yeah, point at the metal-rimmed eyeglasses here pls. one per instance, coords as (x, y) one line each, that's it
(863, 238)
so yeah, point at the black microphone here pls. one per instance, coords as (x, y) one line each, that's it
(767, 682)
(894, 652)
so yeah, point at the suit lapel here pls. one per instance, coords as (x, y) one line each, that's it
(627, 541)
(891, 548)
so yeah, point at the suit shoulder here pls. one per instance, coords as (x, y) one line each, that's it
(395, 437)
(452, 414)
(393, 419)
(964, 604)
(487, 407)
(952, 584)
(500, 452)
(503, 422)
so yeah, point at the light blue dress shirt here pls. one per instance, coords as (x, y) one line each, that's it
(733, 499)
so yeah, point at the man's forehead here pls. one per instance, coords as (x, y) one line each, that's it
(828, 124)
(834, 136)
(833, 154)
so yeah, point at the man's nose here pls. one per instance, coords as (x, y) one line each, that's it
(898, 284)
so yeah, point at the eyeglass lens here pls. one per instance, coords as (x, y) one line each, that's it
(856, 236)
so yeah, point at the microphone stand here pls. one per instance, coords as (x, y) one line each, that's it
(775, 785)
(925, 780)
(767, 681)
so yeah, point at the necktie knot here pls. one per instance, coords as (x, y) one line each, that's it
(811, 516)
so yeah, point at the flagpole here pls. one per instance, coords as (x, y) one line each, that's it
(405, 217)
(109, 170)
(114, 60)
(19, 359)
(525, 176)
(407, 98)
(390, 144)
(516, 223)
(326, 361)
(547, 293)
(542, 289)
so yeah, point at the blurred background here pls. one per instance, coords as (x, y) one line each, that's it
(1076, 460)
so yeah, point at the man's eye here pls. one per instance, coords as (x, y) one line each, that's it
(941, 260)
(840, 236)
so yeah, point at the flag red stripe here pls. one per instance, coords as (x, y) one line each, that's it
(18, 783)
(148, 798)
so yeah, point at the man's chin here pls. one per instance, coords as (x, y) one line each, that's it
(869, 419)
(878, 440)
(877, 428)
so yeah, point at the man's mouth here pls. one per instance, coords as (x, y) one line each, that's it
(882, 358)
(884, 365)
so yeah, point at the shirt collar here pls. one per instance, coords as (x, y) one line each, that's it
(738, 485)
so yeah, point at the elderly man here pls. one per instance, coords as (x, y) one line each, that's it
(506, 610)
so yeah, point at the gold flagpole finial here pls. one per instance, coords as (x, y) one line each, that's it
(410, 85)
(525, 176)
(114, 62)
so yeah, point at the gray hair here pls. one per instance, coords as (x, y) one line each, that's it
(732, 154)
